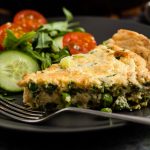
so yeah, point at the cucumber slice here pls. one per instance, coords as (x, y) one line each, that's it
(59, 42)
(13, 65)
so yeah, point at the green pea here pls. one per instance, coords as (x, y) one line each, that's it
(66, 97)
(106, 109)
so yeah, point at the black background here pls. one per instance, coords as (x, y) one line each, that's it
(130, 137)
(78, 7)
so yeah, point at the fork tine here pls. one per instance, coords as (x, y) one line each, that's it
(18, 118)
(20, 109)
(17, 115)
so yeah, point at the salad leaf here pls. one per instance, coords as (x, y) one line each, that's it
(59, 28)
(44, 58)
(44, 40)
(12, 42)
(41, 44)
(68, 14)
(56, 57)
(23, 44)
(47, 60)
(59, 25)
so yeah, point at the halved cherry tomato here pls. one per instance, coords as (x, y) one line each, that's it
(79, 42)
(3, 33)
(29, 19)
(17, 30)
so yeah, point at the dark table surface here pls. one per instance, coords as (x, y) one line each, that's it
(129, 137)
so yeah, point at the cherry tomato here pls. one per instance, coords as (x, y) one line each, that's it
(29, 19)
(3, 33)
(17, 30)
(79, 42)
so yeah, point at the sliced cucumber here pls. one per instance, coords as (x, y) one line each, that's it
(13, 65)
(58, 42)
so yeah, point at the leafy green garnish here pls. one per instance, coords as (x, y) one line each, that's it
(23, 44)
(41, 44)
(12, 42)
(59, 28)
(55, 26)
(68, 14)
(43, 40)
(59, 55)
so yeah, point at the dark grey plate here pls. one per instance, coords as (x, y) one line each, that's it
(102, 29)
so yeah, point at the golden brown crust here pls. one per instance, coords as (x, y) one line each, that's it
(133, 41)
(98, 66)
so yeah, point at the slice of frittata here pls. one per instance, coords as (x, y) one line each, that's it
(105, 77)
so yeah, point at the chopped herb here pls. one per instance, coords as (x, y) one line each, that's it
(50, 88)
(105, 43)
(111, 75)
(33, 87)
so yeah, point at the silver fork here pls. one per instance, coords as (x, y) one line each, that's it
(20, 113)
